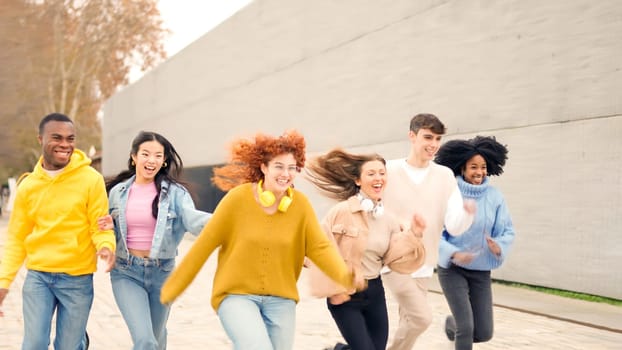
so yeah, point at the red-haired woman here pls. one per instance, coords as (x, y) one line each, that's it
(264, 228)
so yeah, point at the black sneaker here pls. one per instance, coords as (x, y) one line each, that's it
(450, 328)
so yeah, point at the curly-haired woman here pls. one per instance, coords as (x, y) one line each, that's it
(264, 228)
(465, 261)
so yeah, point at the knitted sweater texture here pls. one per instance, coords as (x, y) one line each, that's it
(260, 253)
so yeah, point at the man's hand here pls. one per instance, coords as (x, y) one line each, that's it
(3, 293)
(470, 206)
(107, 257)
(417, 225)
(105, 223)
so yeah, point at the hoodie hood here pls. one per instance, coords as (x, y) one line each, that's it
(78, 160)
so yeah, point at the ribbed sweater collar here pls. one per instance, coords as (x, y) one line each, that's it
(472, 191)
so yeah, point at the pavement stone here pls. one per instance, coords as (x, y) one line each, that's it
(523, 319)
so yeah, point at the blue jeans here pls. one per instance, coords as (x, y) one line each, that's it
(70, 296)
(258, 322)
(136, 284)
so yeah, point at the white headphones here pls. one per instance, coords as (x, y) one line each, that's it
(368, 206)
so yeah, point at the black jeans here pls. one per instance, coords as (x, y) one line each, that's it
(469, 295)
(363, 320)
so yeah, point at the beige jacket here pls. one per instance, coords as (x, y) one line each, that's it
(347, 226)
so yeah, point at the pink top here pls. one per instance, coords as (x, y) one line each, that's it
(140, 223)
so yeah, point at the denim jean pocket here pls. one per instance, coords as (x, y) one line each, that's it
(167, 265)
(121, 264)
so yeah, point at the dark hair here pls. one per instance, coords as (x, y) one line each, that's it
(171, 172)
(455, 153)
(427, 121)
(336, 172)
(57, 117)
(247, 156)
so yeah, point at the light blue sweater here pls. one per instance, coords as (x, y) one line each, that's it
(492, 218)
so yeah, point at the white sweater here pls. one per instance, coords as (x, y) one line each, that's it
(431, 192)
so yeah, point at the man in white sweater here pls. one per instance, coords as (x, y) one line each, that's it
(418, 185)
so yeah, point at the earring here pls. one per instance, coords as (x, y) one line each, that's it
(133, 164)
(165, 165)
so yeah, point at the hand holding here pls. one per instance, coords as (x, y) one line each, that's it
(3, 293)
(358, 281)
(105, 223)
(107, 257)
(470, 206)
(463, 258)
(339, 299)
(417, 225)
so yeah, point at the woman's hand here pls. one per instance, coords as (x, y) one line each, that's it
(493, 246)
(105, 223)
(339, 299)
(462, 258)
(359, 282)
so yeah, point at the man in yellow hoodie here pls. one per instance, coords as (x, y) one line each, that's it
(53, 228)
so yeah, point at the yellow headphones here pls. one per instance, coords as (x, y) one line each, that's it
(267, 198)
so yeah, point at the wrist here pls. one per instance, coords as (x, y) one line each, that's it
(416, 234)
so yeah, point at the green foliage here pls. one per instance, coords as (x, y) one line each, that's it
(67, 56)
(563, 293)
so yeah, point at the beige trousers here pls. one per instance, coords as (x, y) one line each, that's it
(414, 310)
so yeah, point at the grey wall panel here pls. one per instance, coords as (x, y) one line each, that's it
(563, 185)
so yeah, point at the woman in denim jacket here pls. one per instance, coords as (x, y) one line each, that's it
(151, 211)
(368, 239)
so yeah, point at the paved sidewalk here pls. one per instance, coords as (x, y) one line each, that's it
(523, 319)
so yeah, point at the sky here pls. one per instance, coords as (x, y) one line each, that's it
(190, 19)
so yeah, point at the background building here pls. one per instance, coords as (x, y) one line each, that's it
(544, 77)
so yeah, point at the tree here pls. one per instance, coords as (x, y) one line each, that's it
(14, 113)
(69, 56)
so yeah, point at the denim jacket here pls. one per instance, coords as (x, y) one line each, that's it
(176, 216)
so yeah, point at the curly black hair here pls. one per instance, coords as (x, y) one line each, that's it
(455, 153)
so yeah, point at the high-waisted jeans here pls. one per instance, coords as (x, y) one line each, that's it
(469, 295)
(363, 320)
(258, 322)
(136, 285)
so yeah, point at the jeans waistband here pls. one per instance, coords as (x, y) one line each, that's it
(136, 260)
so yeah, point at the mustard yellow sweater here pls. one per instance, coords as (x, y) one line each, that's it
(259, 253)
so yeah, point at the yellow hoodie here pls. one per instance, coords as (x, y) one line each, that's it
(53, 226)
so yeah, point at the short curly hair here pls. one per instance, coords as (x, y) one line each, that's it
(247, 156)
(455, 153)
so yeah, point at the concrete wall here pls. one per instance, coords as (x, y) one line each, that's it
(543, 76)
